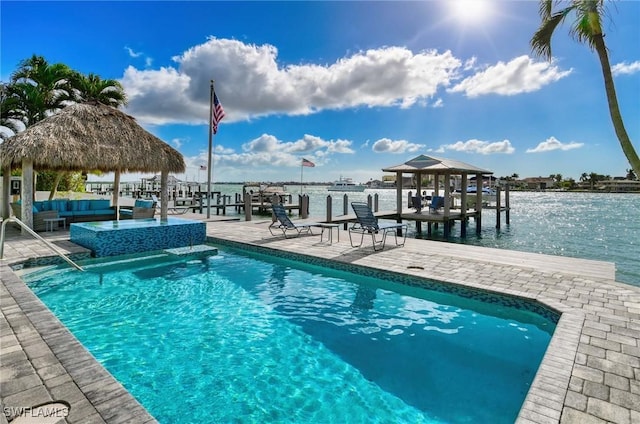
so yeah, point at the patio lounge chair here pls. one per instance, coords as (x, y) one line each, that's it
(285, 224)
(367, 223)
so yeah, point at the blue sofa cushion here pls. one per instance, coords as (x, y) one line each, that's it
(99, 204)
(60, 205)
(78, 205)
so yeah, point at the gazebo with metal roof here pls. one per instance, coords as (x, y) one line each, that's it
(442, 170)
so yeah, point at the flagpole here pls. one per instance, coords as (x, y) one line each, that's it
(209, 158)
(301, 168)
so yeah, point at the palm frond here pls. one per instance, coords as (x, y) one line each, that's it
(545, 9)
(541, 40)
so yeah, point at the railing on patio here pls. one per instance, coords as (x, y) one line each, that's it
(33, 233)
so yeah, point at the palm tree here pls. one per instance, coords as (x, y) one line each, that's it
(587, 28)
(91, 87)
(10, 114)
(42, 88)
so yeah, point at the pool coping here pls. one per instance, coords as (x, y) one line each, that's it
(590, 372)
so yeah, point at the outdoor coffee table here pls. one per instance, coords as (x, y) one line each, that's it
(49, 223)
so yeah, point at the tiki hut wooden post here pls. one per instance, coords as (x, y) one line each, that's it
(116, 193)
(86, 137)
(27, 187)
(6, 192)
(164, 194)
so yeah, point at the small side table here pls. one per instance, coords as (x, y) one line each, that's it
(51, 223)
(330, 227)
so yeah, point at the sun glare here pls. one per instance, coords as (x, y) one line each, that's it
(470, 11)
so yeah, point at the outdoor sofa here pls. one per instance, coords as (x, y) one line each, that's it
(72, 210)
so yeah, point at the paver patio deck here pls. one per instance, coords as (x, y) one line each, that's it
(590, 372)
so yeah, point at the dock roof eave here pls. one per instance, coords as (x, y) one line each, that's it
(432, 165)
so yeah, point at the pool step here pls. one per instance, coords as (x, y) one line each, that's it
(191, 250)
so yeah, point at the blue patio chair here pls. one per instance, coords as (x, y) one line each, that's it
(367, 223)
(437, 202)
(285, 224)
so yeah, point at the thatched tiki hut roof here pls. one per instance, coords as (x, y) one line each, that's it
(85, 137)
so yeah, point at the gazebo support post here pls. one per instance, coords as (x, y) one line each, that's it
(447, 203)
(478, 203)
(399, 200)
(463, 205)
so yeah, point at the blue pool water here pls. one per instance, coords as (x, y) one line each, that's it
(244, 337)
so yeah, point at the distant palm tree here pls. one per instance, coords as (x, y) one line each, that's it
(587, 28)
(594, 177)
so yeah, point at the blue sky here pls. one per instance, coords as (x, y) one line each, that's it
(352, 86)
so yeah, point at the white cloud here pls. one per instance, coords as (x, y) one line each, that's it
(625, 68)
(478, 146)
(385, 145)
(552, 143)
(269, 150)
(131, 52)
(470, 64)
(520, 75)
(250, 82)
(177, 143)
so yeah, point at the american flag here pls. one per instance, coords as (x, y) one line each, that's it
(306, 162)
(218, 113)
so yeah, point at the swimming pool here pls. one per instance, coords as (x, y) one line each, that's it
(242, 336)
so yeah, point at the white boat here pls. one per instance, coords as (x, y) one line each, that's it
(346, 184)
(264, 193)
(488, 195)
